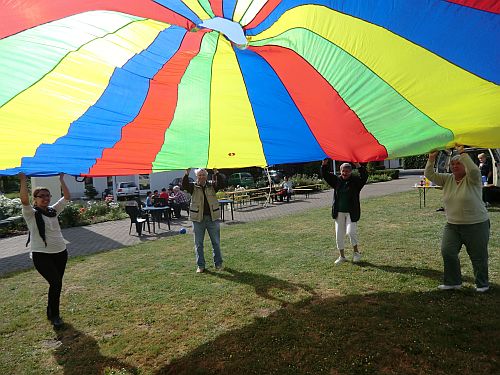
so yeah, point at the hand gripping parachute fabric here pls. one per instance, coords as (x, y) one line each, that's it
(116, 87)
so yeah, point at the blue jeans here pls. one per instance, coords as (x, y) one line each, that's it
(213, 229)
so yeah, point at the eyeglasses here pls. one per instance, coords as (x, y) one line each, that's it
(43, 196)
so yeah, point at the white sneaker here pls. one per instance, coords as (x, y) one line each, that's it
(482, 289)
(449, 287)
(200, 270)
(356, 257)
(340, 260)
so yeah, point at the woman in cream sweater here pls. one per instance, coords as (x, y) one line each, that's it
(467, 219)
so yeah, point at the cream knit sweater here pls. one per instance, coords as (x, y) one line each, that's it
(462, 201)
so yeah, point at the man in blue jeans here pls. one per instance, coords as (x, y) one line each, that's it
(205, 213)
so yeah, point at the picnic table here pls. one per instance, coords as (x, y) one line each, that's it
(157, 213)
(249, 195)
(305, 191)
(422, 189)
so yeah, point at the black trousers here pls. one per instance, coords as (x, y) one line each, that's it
(178, 207)
(51, 267)
(284, 194)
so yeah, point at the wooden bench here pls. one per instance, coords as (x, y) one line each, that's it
(258, 198)
(305, 191)
(259, 195)
(240, 199)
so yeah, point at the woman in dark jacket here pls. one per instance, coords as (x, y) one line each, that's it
(346, 209)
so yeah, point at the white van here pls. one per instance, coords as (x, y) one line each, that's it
(444, 157)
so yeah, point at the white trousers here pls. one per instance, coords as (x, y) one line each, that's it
(344, 225)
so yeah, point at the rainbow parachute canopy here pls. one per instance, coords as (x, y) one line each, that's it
(120, 87)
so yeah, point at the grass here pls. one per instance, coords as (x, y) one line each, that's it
(279, 307)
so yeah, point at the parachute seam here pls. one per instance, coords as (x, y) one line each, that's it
(355, 58)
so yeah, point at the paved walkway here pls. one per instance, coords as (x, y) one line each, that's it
(91, 239)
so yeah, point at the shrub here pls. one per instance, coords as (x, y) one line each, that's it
(70, 217)
(304, 180)
(116, 212)
(261, 182)
(392, 173)
(9, 184)
(378, 178)
(95, 208)
(14, 228)
(9, 207)
(73, 215)
(415, 162)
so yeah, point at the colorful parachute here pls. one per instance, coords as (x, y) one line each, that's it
(94, 87)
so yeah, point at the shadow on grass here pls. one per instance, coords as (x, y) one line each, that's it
(386, 333)
(264, 285)
(233, 222)
(79, 354)
(425, 272)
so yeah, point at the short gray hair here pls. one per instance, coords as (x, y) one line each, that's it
(198, 170)
(346, 165)
(456, 158)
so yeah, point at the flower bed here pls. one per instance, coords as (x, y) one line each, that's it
(75, 214)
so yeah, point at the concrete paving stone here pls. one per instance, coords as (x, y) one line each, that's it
(14, 255)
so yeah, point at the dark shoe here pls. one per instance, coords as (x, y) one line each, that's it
(57, 323)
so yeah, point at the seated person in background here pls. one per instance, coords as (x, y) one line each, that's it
(486, 176)
(160, 200)
(155, 195)
(180, 201)
(149, 199)
(164, 194)
(286, 190)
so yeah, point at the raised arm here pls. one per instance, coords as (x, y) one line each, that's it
(64, 187)
(329, 177)
(472, 171)
(23, 190)
(437, 178)
(219, 181)
(186, 185)
(363, 173)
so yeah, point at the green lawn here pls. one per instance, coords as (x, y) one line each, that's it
(279, 307)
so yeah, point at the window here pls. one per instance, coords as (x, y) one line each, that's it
(144, 182)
